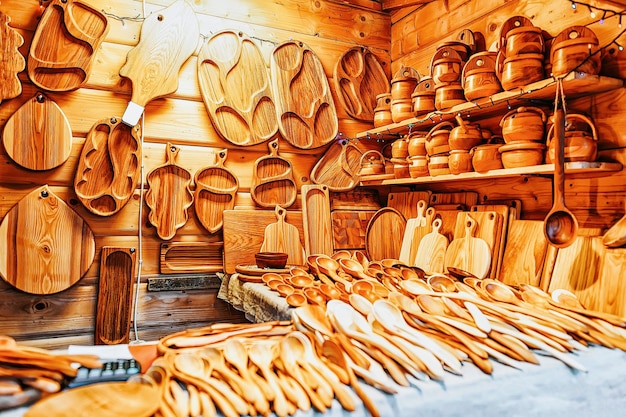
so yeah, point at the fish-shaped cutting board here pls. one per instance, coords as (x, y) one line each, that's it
(167, 39)
(45, 246)
(169, 195)
(236, 89)
(307, 117)
(109, 166)
(38, 136)
(12, 60)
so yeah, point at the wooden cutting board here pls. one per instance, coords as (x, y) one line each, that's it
(64, 45)
(169, 195)
(244, 233)
(272, 180)
(236, 89)
(488, 227)
(216, 189)
(109, 166)
(167, 39)
(38, 136)
(465, 198)
(406, 202)
(55, 246)
(504, 217)
(469, 253)
(283, 237)
(448, 221)
(12, 60)
(349, 228)
(431, 252)
(524, 254)
(358, 78)
(383, 238)
(191, 257)
(612, 298)
(115, 295)
(307, 117)
(317, 221)
(408, 249)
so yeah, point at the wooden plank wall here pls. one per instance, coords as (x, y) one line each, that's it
(328, 27)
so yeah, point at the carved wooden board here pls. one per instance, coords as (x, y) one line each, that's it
(469, 253)
(359, 77)
(216, 187)
(109, 166)
(338, 168)
(317, 222)
(12, 60)
(383, 238)
(54, 249)
(283, 237)
(307, 117)
(38, 136)
(169, 195)
(168, 38)
(272, 180)
(191, 257)
(115, 296)
(236, 88)
(65, 44)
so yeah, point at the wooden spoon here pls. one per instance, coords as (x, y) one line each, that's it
(330, 267)
(560, 224)
(354, 268)
(260, 353)
(334, 353)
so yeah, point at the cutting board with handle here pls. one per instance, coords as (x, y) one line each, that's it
(55, 247)
(317, 221)
(408, 248)
(488, 228)
(115, 295)
(38, 136)
(524, 254)
(469, 253)
(283, 237)
(167, 39)
(406, 202)
(13, 61)
(432, 250)
(169, 195)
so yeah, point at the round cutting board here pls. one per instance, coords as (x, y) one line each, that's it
(383, 236)
(46, 246)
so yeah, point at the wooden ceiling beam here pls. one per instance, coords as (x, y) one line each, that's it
(397, 4)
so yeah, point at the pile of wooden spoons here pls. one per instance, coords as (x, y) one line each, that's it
(28, 373)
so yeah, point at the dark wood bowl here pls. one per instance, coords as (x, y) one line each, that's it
(274, 260)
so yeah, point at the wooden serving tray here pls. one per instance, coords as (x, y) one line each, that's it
(108, 167)
(64, 45)
(216, 187)
(339, 167)
(191, 257)
(272, 180)
(55, 246)
(236, 88)
(12, 60)
(359, 77)
(317, 223)
(169, 195)
(307, 117)
(38, 136)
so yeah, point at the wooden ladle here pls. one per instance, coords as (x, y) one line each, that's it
(560, 225)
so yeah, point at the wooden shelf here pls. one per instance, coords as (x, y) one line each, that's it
(575, 85)
(603, 168)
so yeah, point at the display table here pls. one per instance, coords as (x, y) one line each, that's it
(550, 389)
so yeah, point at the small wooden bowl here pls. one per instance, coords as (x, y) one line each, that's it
(274, 260)
(522, 154)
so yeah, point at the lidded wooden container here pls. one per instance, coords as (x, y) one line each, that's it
(523, 123)
(575, 48)
(446, 66)
(519, 36)
(424, 96)
(403, 83)
(479, 78)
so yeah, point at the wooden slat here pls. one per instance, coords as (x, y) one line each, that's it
(399, 4)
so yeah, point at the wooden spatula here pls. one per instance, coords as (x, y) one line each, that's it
(469, 253)
(283, 237)
(167, 40)
(432, 250)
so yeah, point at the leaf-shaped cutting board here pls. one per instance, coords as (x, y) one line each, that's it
(12, 60)
(283, 237)
(38, 136)
(65, 44)
(236, 88)
(216, 187)
(168, 38)
(169, 195)
(45, 246)
(359, 77)
(108, 167)
(307, 117)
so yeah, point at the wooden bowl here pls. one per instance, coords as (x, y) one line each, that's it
(486, 157)
(460, 161)
(446, 66)
(522, 154)
(273, 260)
(438, 165)
(418, 166)
(382, 117)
